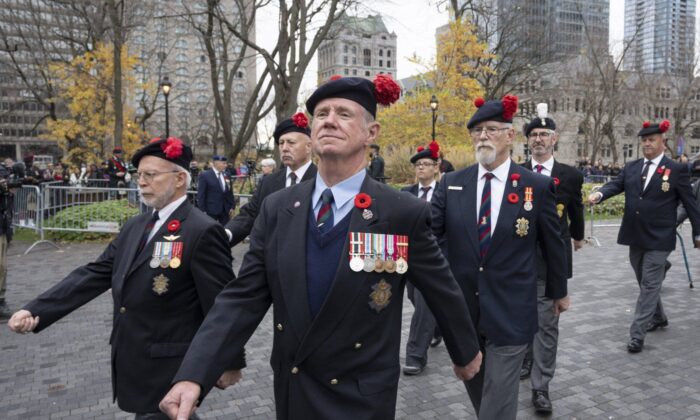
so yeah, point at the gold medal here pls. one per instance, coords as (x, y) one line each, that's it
(378, 265)
(389, 266)
(160, 284)
(175, 262)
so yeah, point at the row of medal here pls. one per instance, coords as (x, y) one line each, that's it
(665, 186)
(378, 252)
(166, 254)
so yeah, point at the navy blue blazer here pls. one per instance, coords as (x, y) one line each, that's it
(649, 221)
(211, 199)
(344, 363)
(501, 290)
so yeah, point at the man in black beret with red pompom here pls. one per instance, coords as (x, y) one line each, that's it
(164, 269)
(654, 186)
(332, 256)
(506, 213)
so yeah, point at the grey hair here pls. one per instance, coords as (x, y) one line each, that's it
(268, 162)
(186, 172)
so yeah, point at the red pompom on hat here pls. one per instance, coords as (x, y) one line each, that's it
(386, 90)
(646, 124)
(420, 149)
(478, 102)
(664, 126)
(335, 77)
(434, 150)
(172, 148)
(300, 120)
(510, 106)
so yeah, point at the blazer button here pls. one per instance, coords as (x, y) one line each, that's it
(476, 293)
(481, 268)
(636, 212)
(279, 327)
(295, 370)
(122, 310)
(358, 345)
(334, 382)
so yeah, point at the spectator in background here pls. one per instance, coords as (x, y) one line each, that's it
(445, 165)
(376, 164)
(267, 166)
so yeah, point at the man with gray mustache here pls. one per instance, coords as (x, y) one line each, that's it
(506, 212)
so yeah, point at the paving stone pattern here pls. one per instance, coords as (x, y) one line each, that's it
(63, 373)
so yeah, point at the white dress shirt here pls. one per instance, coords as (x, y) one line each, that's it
(547, 166)
(498, 187)
(654, 164)
(430, 191)
(163, 215)
(299, 173)
(220, 178)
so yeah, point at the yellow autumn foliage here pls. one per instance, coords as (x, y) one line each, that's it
(86, 89)
(408, 123)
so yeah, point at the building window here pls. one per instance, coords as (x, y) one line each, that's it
(388, 63)
(367, 57)
(345, 49)
(354, 72)
(381, 63)
(367, 73)
(346, 72)
(345, 59)
(381, 53)
(354, 60)
(354, 49)
(388, 53)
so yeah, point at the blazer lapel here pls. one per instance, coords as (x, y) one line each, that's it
(180, 214)
(507, 213)
(467, 201)
(656, 176)
(291, 251)
(346, 284)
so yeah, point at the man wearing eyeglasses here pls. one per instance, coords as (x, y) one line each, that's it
(164, 269)
(541, 138)
(423, 332)
(490, 219)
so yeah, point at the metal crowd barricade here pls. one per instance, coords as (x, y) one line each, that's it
(28, 204)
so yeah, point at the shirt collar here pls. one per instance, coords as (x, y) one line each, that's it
(548, 164)
(432, 185)
(500, 173)
(166, 211)
(657, 160)
(300, 171)
(342, 191)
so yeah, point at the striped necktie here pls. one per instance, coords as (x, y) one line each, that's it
(485, 216)
(539, 168)
(324, 220)
(147, 232)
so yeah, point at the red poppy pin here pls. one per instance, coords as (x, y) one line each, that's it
(660, 170)
(515, 178)
(513, 198)
(556, 181)
(173, 226)
(362, 201)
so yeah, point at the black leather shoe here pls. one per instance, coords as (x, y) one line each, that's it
(5, 312)
(525, 369)
(655, 325)
(435, 341)
(413, 370)
(541, 402)
(635, 345)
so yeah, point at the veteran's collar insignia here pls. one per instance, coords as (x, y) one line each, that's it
(160, 284)
(381, 296)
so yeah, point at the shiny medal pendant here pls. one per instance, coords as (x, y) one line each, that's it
(665, 186)
(379, 266)
(155, 262)
(368, 265)
(378, 246)
(175, 262)
(527, 206)
(356, 263)
(164, 262)
(390, 266)
(528, 199)
(401, 266)
(390, 245)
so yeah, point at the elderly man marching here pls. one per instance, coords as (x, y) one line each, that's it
(653, 187)
(541, 139)
(164, 269)
(506, 213)
(333, 256)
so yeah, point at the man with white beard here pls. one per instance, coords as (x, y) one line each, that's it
(506, 212)
(164, 268)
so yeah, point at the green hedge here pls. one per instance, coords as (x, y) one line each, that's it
(610, 208)
(77, 217)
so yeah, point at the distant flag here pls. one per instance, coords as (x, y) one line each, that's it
(681, 145)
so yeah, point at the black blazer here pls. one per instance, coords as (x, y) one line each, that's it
(151, 331)
(569, 198)
(649, 221)
(344, 363)
(501, 290)
(241, 225)
(211, 199)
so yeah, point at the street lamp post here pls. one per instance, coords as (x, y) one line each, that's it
(434, 107)
(165, 85)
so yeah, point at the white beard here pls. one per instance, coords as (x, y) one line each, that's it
(485, 156)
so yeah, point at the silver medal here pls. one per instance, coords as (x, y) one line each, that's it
(356, 264)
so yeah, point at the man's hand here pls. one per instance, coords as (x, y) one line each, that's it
(228, 378)
(595, 197)
(579, 244)
(23, 322)
(467, 372)
(181, 401)
(561, 305)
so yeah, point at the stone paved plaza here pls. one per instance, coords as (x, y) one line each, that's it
(63, 373)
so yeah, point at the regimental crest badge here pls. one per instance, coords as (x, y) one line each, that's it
(665, 186)
(380, 296)
(522, 225)
(160, 284)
